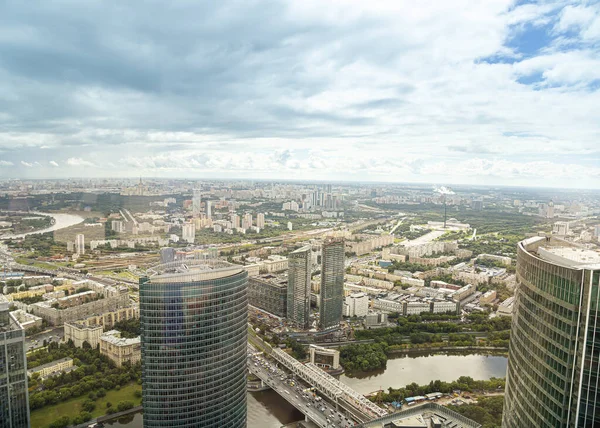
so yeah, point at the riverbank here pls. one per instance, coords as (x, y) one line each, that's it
(60, 221)
(463, 350)
(424, 366)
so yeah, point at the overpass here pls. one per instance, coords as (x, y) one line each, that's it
(337, 392)
(290, 395)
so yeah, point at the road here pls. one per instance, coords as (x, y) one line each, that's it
(318, 410)
(397, 225)
(425, 238)
(37, 341)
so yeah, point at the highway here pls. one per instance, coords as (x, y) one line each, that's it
(317, 409)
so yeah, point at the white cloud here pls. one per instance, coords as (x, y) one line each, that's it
(53, 163)
(381, 89)
(6, 163)
(79, 162)
(26, 164)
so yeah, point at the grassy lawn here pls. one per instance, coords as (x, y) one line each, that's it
(43, 417)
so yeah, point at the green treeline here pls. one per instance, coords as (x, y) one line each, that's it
(94, 373)
(364, 356)
(129, 328)
(487, 411)
(463, 383)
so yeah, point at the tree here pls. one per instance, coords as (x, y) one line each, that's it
(88, 405)
(124, 405)
(61, 422)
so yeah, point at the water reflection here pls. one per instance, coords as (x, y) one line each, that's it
(265, 410)
(423, 368)
(268, 410)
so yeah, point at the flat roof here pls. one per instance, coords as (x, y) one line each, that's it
(192, 270)
(570, 256)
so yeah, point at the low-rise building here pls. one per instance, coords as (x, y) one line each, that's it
(79, 332)
(376, 320)
(27, 321)
(275, 263)
(108, 319)
(445, 306)
(52, 368)
(324, 357)
(269, 293)
(463, 292)
(119, 349)
(487, 297)
(356, 304)
(502, 259)
(506, 307)
(416, 307)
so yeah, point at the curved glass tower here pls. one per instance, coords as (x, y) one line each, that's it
(194, 338)
(553, 369)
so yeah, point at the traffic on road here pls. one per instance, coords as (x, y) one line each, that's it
(299, 394)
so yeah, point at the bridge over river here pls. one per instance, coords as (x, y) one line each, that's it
(338, 393)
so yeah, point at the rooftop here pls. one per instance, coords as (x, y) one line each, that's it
(114, 337)
(192, 270)
(50, 364)
(427, 412)
(570, 256)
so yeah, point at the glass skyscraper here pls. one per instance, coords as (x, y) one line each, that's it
(332, 283)
(14, 398)
(553, 369)
(298, 293)
(194, 316)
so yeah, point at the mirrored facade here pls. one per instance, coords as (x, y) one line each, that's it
(553, 370)
(298, 291)
(332, 284)
(194, 338)
(14, 402)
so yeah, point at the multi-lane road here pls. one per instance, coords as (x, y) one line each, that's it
(296, 392)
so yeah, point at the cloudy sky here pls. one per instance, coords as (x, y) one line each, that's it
(437, 91)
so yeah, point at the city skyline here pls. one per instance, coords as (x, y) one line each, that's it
(266, 90)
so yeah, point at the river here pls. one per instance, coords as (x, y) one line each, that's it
(61, 221)
(268, 410)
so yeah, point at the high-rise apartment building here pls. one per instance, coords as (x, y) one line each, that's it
(117, 226)
(14, 399)
(208, 208)
(235, 221)
(197, 203)
(260, 220)
(553, 364)
(188, 232)
(80, 243)
(193, 317)
(248, 219)
(298, 292)
(332, 283)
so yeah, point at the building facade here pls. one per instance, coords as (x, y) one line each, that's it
(194, 336)
(80, 243)
(332, 283)
(52, 368)
(553, 377)
(14, 399)
(119, 349)
(298, 292)
(188, 232)
(269, 293)
(79, 332)
(356, 305)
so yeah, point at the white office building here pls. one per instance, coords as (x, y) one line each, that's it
(80, 244)
(188, 232)
(356, 304)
